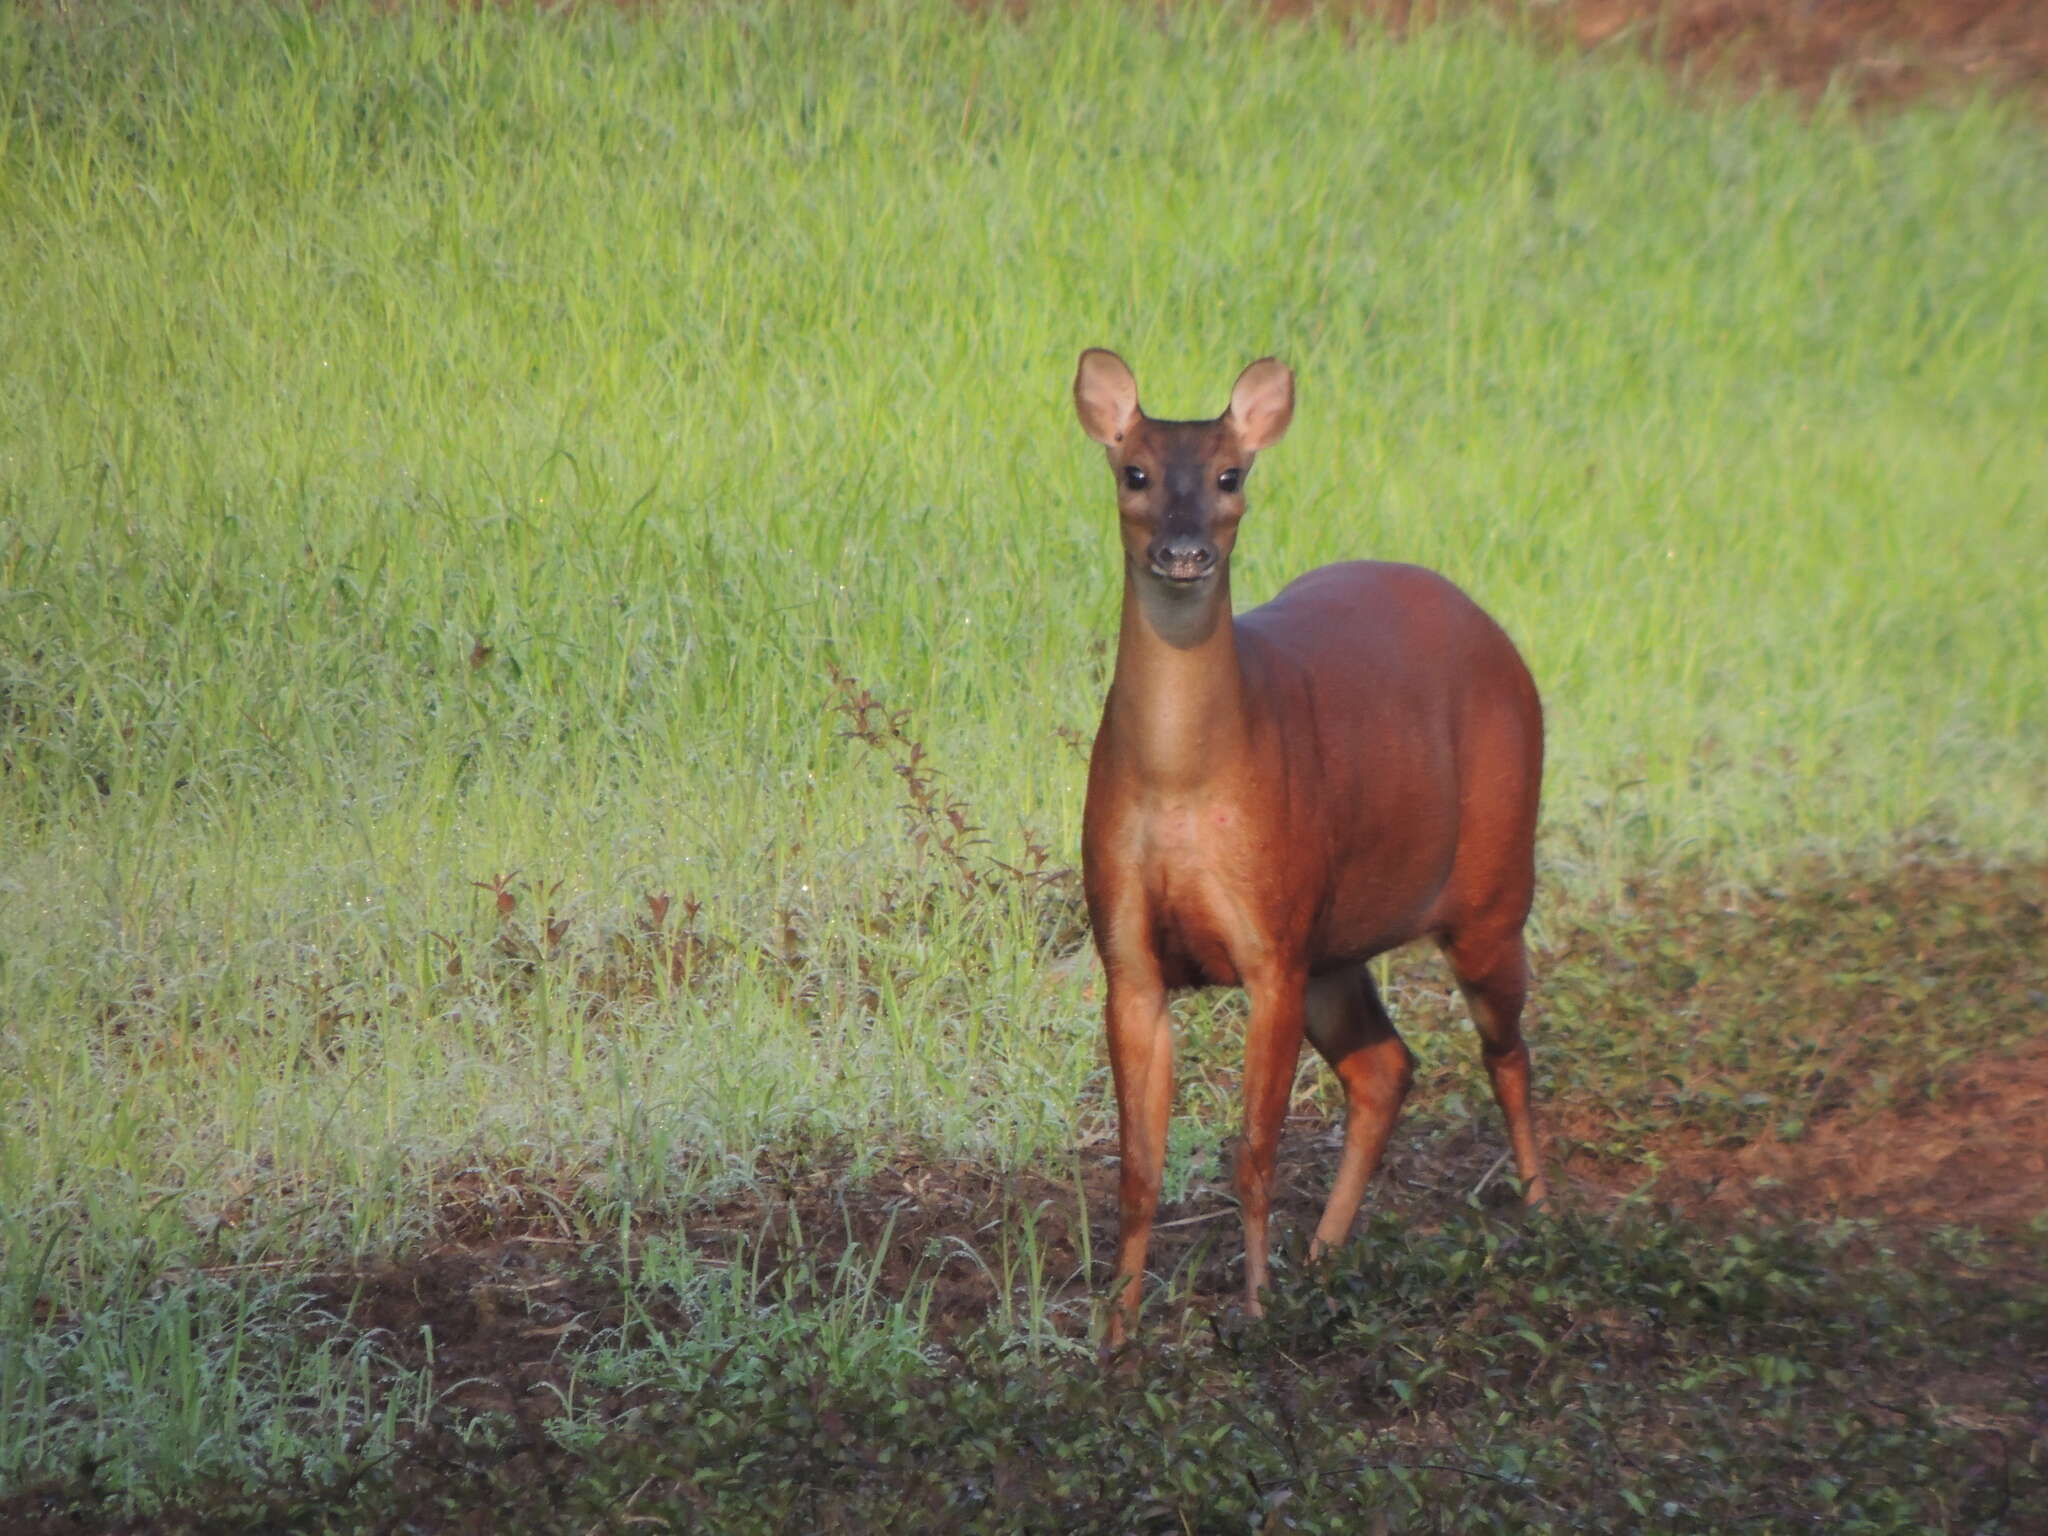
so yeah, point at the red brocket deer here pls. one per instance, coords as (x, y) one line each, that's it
(1276, 798)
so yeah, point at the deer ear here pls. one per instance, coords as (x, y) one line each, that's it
(1105, 396)
(1262, 403)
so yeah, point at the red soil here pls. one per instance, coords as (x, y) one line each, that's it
(1876, 51)
(1977, 1156)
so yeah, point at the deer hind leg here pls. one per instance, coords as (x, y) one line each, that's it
(1349, 1026)
(1141, 1062)
(1493, 973)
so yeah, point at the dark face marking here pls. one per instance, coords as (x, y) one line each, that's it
(1180, 493)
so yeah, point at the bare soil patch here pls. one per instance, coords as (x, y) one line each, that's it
(500, 1305)
(1872, 1047)
(1877, 51)
(1975, 1156)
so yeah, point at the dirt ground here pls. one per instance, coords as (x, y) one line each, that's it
(1877, 51)
(1978, 1158)
(1880, 50)
(510, 1282)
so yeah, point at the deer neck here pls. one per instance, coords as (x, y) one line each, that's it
(1176, 702)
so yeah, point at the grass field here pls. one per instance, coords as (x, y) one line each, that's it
(524, 540)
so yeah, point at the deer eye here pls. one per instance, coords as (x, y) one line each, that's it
(1135, 477)
(1229, 481)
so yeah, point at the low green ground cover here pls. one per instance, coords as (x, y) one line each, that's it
(1478, 1375)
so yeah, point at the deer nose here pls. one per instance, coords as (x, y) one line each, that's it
(1183, 557)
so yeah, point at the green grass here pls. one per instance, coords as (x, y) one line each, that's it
(448, 447)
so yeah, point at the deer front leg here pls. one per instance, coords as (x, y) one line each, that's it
(1272, 1049)
(1141, 1062)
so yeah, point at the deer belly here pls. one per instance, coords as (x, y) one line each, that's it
(1200, 935)
(1194, 955)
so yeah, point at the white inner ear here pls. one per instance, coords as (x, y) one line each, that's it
(1105, 396)
(1262, 403)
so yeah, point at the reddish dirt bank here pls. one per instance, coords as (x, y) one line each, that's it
(1877, 51)
(1977, 1157)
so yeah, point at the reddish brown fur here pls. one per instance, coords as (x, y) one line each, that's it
(1276, 798)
